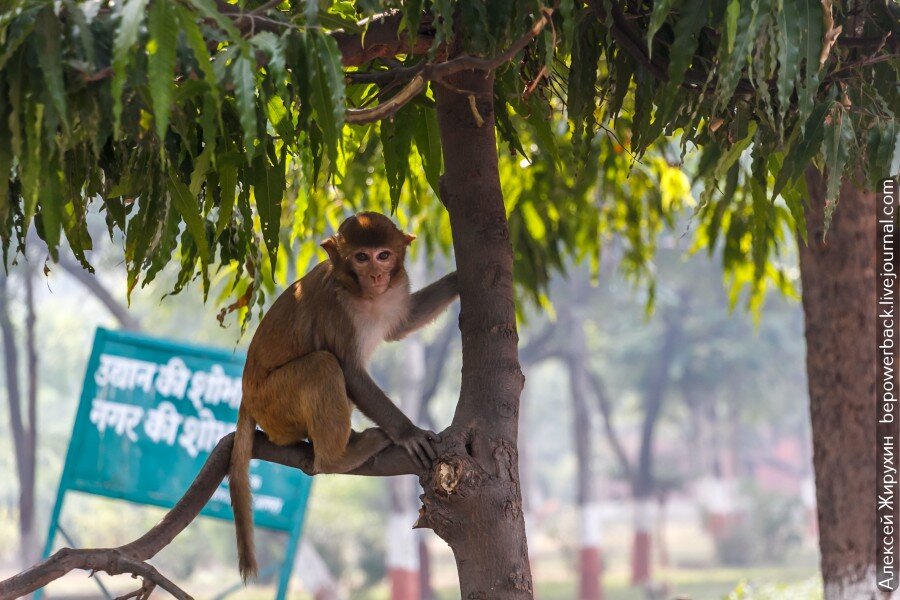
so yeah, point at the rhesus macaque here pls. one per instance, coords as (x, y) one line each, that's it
(307, 361)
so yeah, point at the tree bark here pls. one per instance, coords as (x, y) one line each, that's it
(838, 275)
(472, 496)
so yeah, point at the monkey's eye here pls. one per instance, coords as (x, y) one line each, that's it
(361, 257)
(384, 255)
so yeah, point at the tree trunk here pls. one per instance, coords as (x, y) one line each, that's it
(403, 541)
(27, 524)
(589, 551)
(472, 496)
(643, 483)
(838, 277)
(19, 428)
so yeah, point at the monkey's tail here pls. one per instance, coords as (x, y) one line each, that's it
(241, 498)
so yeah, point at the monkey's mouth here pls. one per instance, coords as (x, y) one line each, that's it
(376, 288)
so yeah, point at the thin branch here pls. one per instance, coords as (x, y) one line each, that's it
(110, 560)
(469, 63)
(387, 108)
(130, 557)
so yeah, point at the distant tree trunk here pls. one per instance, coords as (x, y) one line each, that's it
(436, 355)
(23, 432)
(425, 587)
(589, 551)
(472, 497)
(30, 542)
(838, 277)
(314, 573)
(402, 540)
(643, 480)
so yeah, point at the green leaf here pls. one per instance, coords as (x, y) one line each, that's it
(126, 38)
(732, 61)
(161, 48)
(268, 191)
(581, 94)
(661, 10)
(31, 162)
(242, 72)
(762, 215)
(208, 9)
(731, 23)
(836, 145)
(144, 232)
(812, 32)
(18, 32)
(396, 143)
(189, 208)
(74, 215)
(272, 46)
(195, 41)
(734, 152)
(85, 36)
(6, 156)
(327, 93)
(51, 202)
(788, 26)
(428, 145)
(227, 191)
(411, 19)
(168, 244)
(50, 58)
(799, 153)
(687, 28)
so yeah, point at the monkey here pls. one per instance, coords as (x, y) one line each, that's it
(306, 362)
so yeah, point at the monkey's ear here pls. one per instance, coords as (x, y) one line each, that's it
(330, 246)
(408, 237)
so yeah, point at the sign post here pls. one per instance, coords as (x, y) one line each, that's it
(150, 413)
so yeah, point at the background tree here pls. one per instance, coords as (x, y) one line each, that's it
(188, 122)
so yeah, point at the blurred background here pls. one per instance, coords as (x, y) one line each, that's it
(665, 445)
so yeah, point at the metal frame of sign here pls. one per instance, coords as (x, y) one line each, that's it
(67, 482)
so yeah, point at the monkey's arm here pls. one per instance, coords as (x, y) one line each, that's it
(375, 404)
(427, 304)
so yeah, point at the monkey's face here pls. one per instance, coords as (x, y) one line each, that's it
(373, 268)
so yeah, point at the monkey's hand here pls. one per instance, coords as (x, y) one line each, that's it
(419, 444)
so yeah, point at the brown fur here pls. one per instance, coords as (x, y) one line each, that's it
(311, 347)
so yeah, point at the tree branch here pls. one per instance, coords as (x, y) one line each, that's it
(110, 560)
(538, 348)
(131, 557)
(612, 435)
(126, 319)
(440, 71)
(382, 39)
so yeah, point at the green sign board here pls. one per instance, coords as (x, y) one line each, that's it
(150, 413)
